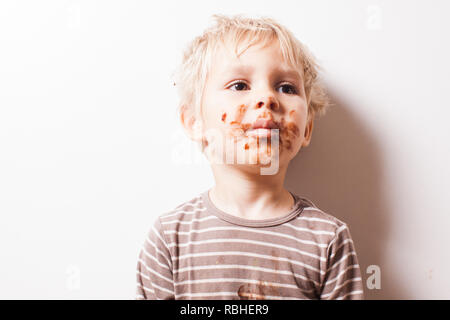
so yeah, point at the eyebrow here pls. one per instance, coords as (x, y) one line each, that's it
(289, 73)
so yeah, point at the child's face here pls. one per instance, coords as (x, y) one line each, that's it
(257, 85)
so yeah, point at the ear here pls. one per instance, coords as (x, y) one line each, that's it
(191, 125)
(308, 130)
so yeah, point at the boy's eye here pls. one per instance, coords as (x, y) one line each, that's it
(285, 88)
(289, 89)
(238, 86)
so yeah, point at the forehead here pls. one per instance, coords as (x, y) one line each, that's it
(229, 59)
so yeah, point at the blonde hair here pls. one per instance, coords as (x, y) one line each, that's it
(190, 77)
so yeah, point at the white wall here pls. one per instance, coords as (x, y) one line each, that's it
(89, 137)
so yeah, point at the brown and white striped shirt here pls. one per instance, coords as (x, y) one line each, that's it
(197, 251)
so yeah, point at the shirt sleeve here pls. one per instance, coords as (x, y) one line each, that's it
(154, 268)
(342, 279)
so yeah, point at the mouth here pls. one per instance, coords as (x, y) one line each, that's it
(264, 124)
(262, 132)
(263, 128)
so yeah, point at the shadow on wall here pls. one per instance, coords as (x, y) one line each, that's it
(341, 171)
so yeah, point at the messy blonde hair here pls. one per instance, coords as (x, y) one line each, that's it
(191, 74)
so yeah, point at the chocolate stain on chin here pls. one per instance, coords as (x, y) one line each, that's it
(287, 131)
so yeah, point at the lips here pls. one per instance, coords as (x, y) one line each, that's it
(262, 128)
(264, 124)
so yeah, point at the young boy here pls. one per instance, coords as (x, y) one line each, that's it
(249, 93)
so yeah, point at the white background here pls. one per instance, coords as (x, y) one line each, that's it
(91, 150)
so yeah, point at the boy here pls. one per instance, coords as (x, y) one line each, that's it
(247, 85)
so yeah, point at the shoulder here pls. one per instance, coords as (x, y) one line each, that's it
(319, 221)
(180, 218)
(184, 211)
(165, 226)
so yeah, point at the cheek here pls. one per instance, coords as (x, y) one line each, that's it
(241, 112)
(293, 129)
(233, 119)
(290, 131)
(236, 114)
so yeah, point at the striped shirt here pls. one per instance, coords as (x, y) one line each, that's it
(197, 251)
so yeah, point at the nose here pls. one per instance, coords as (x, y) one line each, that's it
(267, 101)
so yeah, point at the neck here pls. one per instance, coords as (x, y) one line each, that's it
(246, 193)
